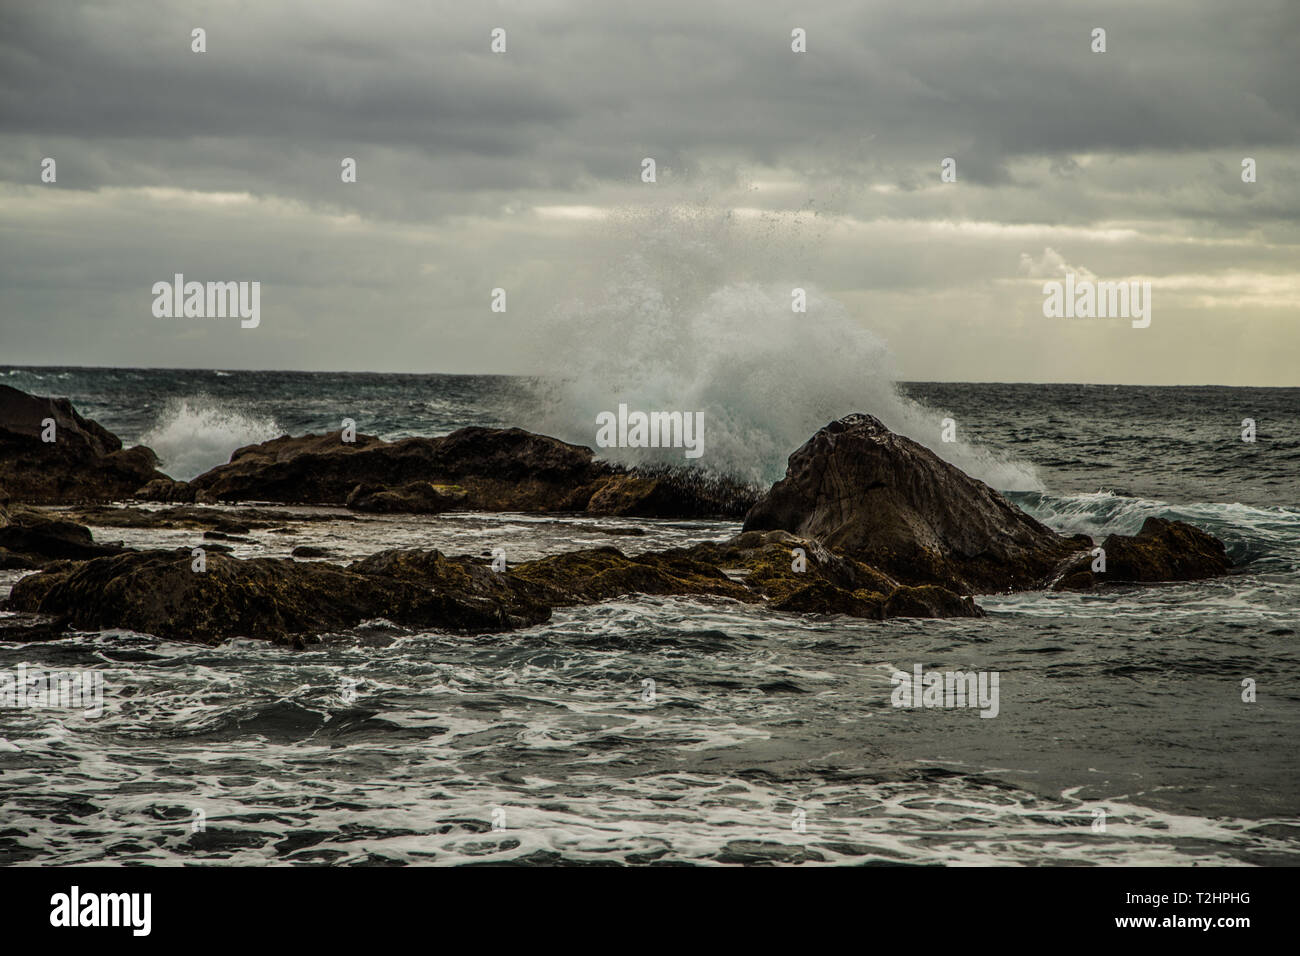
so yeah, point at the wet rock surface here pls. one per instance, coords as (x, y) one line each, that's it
(276, 599)
(33, 539)
(893, 504)
(1162, 550)
(865, 523)
(482, 469)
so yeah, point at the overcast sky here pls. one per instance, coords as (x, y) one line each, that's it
(775, 169)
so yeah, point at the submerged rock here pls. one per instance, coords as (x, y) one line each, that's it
(84, 462)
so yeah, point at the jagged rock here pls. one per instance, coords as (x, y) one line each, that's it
(1162, 550)
(414, 497)
(85, 462)
(884, 499)
(276, 599)
(483, 469)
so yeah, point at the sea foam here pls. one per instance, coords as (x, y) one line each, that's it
(676, 319)
(197, 433)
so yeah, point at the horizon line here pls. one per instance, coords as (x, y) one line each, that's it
(304, 371)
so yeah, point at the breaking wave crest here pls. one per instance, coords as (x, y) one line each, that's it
(666, 323)
(195, 434)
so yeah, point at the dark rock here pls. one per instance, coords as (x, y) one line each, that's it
(499, 469)
(482, 469)
(598, 574)
(285, 601)
(192, 517)
(671, 492)
(829, 583)
(85, 462)
(310, 551)
(893, 504)
(750, 567)
(822, 597)
(276, 599)
(414, 497)
(30, 628)
(32, 539)
(766, 562)
(930, 601)
(1162, 550)
(222, 536)
(164, 489)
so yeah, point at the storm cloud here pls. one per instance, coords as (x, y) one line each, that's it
(522, 170)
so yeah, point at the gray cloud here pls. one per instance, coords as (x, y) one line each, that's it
(478, 170)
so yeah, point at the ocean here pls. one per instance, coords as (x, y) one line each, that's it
(699, 731)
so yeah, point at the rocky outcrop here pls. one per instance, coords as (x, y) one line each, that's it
(32, 539)
(1162, 550)
(275, 599)
(667, 492)
(84, 462)
(291, 602)
(865, 523)
(498, 469)
(165, 489)
(865, 492)
(598, 574)
(801, 575)
(414, 497)
(477, 469)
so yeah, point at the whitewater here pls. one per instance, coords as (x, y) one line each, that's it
(383, 746)
(1122, 735)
